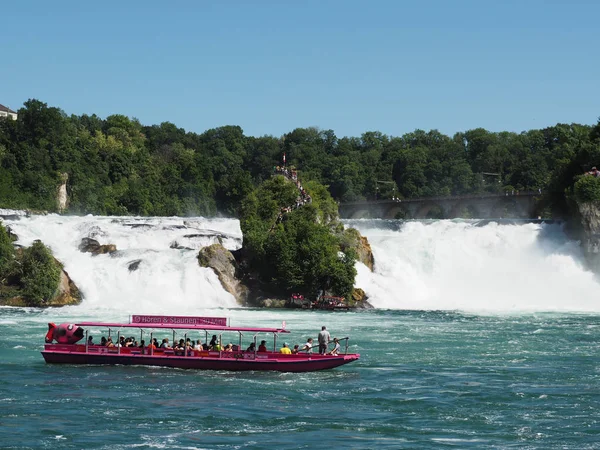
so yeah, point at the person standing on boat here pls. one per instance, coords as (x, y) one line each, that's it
(324, 338)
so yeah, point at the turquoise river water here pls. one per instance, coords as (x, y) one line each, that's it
(424, 380)
(483, 335)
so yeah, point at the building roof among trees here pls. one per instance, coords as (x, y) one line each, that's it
(6, 109)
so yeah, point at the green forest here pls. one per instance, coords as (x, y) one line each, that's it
(117, 166)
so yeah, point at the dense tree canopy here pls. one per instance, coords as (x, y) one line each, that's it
(296, 249)
(119, 166)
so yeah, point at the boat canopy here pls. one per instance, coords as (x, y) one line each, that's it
(181, 323)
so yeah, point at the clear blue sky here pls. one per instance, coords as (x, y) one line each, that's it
(272, 66)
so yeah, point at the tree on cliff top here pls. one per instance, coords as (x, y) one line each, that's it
(296, 250)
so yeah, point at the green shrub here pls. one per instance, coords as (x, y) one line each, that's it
(40, 274)
(587, 189)
(7, 252)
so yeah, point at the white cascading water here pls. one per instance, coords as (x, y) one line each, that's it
(442, 265)
(167, 280)
(448, 265)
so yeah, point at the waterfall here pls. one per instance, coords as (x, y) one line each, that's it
(459, 265)
(438, 265)
(167, 279)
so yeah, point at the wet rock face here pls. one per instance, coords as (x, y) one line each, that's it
(222, 262)
(89, 245)
(590, 241)
(68, 293)
(134, 265)
(360, 244)
(365, 254)
(62, 200)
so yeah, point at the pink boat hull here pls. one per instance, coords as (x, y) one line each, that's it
(76, 354)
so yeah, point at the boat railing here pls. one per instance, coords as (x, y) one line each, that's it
(238, 353)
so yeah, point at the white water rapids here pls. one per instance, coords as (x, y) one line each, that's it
(442, 265)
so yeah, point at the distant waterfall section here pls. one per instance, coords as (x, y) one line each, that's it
(479, 266)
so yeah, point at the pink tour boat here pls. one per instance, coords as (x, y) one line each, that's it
(62, 346)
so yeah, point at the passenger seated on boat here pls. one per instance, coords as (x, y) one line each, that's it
(90, 340)
(198, 346)
(179, 348)
(151, 346)
(142, 345)
(308, 346)
(155, 342)
(251, 348)
(295, 350)
(228, 348)
(336, 347)
(103, 341)
(213, 342)
(235, 347)
(263, 346)
(109, 342)
(285, 349)
(165, 344)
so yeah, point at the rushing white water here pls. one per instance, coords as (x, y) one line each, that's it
(441, 265)
(461, 266)
(167, 280)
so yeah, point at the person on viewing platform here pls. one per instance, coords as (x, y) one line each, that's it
(324, 338)
(308, 346)
(336, 347)
(263, 346)
(285, 349)
(594, 172)
(252, 347)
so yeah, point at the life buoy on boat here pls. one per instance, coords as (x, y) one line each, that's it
(50, 333)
